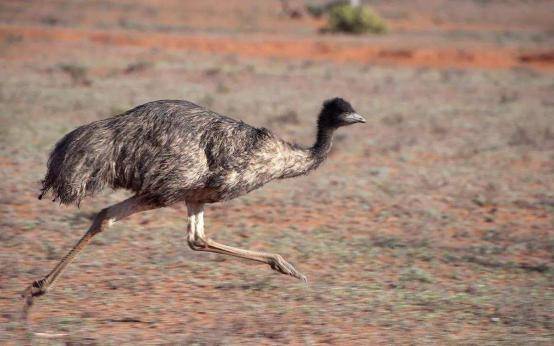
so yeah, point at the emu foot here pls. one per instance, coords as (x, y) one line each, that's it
(36, 289)
(279, 264)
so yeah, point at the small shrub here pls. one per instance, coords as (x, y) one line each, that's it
(356, 20)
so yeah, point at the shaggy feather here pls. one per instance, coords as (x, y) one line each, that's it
(171, 150)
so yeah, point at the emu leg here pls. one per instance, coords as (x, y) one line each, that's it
(102, 221)
(199, 242)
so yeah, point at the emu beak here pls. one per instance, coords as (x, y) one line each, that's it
(353, 118)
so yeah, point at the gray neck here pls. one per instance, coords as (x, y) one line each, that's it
(302, 161)
(323, 144)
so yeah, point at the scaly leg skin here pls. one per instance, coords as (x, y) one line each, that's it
(199, 242)
(101, 222)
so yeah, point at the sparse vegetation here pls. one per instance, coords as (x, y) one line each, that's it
(77, 73)
(342, 16)
(429, 226)
(416, 274)
(355, 20)
(138, 66)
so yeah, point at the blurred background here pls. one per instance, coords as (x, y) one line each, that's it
(431, 224)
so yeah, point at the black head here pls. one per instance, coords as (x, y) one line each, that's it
(338, 112)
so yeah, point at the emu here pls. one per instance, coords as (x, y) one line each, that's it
(174, 151)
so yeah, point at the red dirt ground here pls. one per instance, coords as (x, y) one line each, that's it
(298, 48)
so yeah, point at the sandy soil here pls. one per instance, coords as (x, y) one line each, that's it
(431, 224)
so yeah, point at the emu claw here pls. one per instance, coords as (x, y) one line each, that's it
(34, 290)
(279, 264)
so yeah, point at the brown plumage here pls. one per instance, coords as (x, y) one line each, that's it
(173, 151)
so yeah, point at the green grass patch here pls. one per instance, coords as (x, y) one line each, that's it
(355, 20)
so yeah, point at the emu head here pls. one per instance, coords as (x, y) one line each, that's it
(336, 113)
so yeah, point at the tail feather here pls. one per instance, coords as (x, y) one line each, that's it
(79, 165)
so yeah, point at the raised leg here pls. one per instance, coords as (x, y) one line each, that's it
(199, 242)
(101, 222)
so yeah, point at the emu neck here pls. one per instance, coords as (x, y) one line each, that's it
(300, 161)
(323, 143)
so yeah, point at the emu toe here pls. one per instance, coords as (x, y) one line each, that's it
(279, 264)
(34, 290)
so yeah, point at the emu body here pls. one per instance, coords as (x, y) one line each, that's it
(170, 151)
(173, 151)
